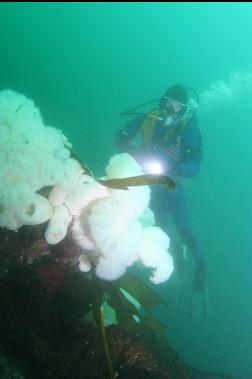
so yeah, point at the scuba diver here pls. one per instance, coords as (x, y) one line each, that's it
(167, 141)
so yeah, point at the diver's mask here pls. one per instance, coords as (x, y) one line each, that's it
(173, 112)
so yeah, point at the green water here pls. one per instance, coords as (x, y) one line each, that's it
(84, 63)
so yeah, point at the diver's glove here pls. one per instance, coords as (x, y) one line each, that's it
(199, 276)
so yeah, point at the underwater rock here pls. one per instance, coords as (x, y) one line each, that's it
(43, 301)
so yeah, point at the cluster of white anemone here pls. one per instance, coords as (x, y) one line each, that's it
(114, 228)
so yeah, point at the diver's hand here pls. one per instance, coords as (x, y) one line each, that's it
(199, 276)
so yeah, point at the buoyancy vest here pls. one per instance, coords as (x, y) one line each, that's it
(149, 124)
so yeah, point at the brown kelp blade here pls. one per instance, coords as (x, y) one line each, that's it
(143, 294)
(140, 180)
(153, 325)
(132, 181)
